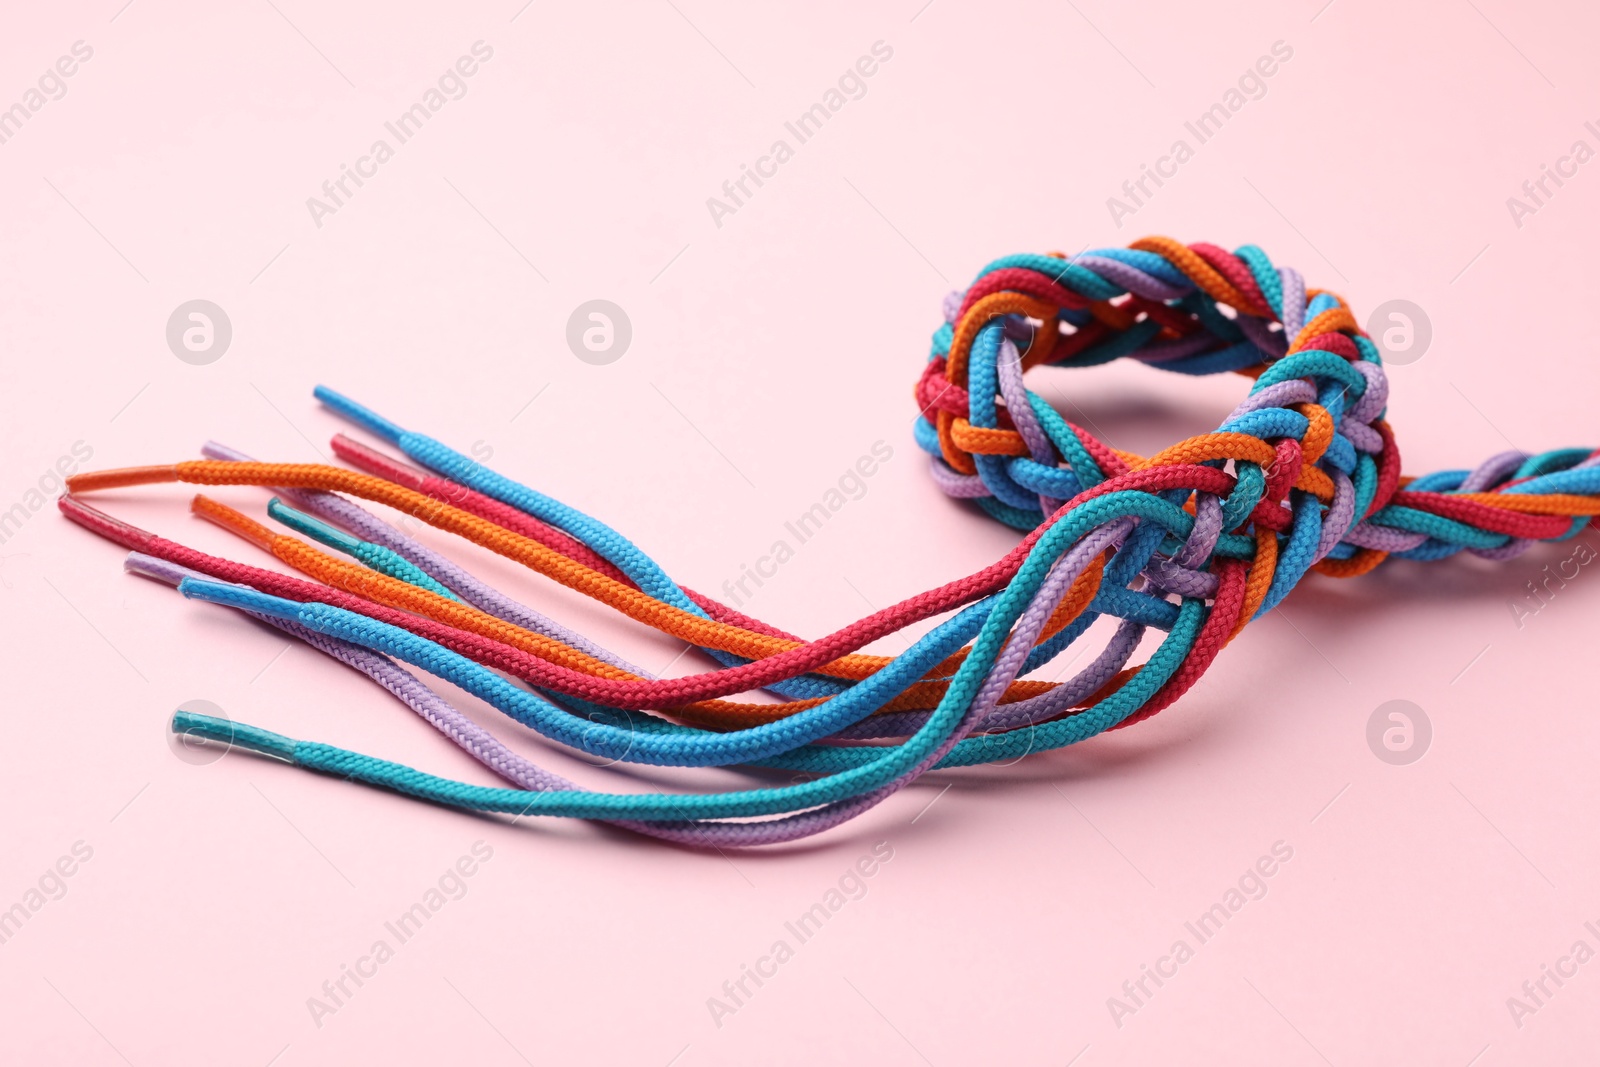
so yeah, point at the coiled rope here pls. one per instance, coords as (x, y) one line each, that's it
(1193, 543)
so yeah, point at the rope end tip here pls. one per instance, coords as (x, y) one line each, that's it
(362, 416)
(210, 728)
(90, 481)
(219, 451)
(159, 569)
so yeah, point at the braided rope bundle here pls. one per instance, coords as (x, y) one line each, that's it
(1193, 542)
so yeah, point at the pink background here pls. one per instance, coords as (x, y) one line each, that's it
(768, 354)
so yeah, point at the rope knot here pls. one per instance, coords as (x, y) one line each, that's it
(1304, 474)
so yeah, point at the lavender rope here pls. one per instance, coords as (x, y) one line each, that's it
(493, 754)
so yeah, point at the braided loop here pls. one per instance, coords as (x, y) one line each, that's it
(1303, 475)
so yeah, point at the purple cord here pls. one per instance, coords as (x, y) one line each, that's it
(493, 754)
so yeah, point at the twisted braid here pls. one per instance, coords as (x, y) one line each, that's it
(1312, 459)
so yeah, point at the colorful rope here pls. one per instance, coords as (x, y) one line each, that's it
(1193, 543)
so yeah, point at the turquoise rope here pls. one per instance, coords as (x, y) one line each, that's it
(376, 557)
